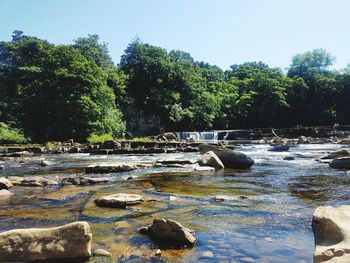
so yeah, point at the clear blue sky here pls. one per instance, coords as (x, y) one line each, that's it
(221, 32)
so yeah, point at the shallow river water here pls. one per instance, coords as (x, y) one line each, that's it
(272, 225)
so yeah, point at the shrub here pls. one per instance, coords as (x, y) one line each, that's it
(11, 135)
(100, 138)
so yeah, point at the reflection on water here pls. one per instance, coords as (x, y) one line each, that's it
(271, 225)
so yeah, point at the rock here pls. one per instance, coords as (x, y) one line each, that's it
(207, 255)
(229, 158)
(111, 145)
(32, 244)
(101, 253)
(199, 168)
(32, 181)
(289, 158)
(19, 154)
(44, 163)
(4, 194)
(110, 168)
(340, 163)
(335, 154)
(2, 167)
(279, 148)
(79, 180)
(119, 200)
(211, 159)
(221, 198)
(303, 140)
(182, 162)
(5, 183)
(331, 227)
(158, 253)
(169, 232)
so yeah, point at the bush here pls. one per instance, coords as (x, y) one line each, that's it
(100, 138)
(11, 135)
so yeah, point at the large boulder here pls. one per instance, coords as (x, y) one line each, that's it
(119, 200)
(5, 183)
(229, 158)
(331, 227)
(340, 163)
(211, 159)
(31, 244)
(167, 232)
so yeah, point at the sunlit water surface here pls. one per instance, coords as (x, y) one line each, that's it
(272, 225)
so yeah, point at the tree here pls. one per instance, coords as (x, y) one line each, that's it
(312, 62)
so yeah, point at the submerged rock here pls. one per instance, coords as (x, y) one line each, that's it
(279, 148)
(167, 232)
(331, 227)
(31, 244)
(229, 158)
(119, 200)
(5, 183)
(289, 158)
(110, 168)
(340, 163)
(211, 159)
(79, 180)
(44, 163)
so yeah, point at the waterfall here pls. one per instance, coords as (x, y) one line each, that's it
(212, 136)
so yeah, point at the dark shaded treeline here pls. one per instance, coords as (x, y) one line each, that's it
(57, 92)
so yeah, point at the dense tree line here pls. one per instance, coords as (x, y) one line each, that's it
(57, 92)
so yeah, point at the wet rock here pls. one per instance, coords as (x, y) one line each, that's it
(64, 242)
(331, 227)
(340, 163)
(101, 253)
(110, 168)
(230, 159)
(5, 183)
(222, 198)
(212, 160)
(158, 253)
(168, 232)
(79, 180)
(335, 154)
(119, 200)
(279, 148)
(289, 158)
(44, 163)
(32, 181)
(2, 167)
(182, 162)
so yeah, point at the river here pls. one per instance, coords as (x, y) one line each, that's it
(272, 225)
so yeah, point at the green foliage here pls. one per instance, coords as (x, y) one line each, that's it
(100, 138)
(57, 92)
(11, 135)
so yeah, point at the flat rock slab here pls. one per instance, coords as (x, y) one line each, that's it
(110, 168)
(31, 181)
(119, 200)
(167, 232)
(31, 244)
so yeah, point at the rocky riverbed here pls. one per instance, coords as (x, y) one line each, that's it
(261, 214)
